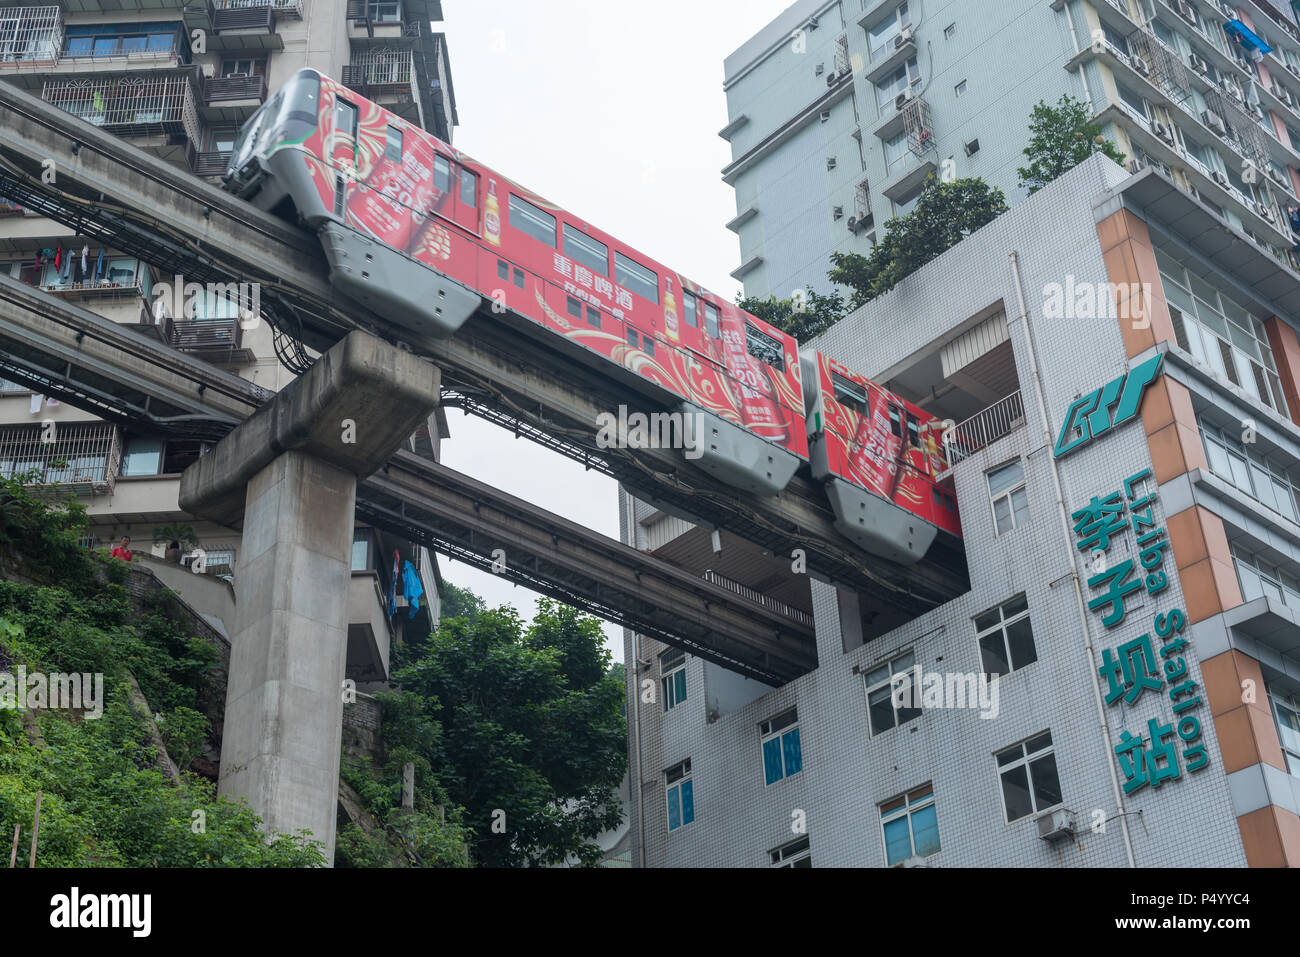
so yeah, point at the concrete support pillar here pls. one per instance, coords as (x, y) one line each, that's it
(289, 474)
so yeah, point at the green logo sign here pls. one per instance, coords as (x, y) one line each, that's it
(1090, 416)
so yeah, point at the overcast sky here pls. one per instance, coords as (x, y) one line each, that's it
(610, 109)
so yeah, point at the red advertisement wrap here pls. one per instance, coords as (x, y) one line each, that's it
(760, 410)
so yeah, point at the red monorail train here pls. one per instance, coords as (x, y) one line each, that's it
(426, 236)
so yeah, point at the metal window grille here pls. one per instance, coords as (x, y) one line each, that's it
(862, 200)
(30, 34)
(916, 120)
(984, 428)
(386, 67)
(130, 105)
(84, 456)
(292, 8)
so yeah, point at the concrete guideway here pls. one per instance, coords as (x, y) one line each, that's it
(168, 218)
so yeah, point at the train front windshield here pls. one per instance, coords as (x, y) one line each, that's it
(287, 118)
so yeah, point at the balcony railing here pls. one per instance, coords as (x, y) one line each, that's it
(208, 164)
(139, 105)
(30, 35)
(744, 591)
(285, 8)
(216, 340)
(82, 456)
(251, 16)
(380, 70)
(226, 89)
(984, 428)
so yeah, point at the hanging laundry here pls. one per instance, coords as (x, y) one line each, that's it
(392, 586)
(411, 587)
(34, 406)
(58, 257)
(85, 261)
(66, 272)
(99, 102)
(99, 264)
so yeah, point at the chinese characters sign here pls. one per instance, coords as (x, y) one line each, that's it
(1148, 668)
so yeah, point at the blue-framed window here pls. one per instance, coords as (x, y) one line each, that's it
(910, 825)
(782, 752)
(124, 39)
(681, 795)
(672, 667)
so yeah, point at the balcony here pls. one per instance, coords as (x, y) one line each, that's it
(233, 98)
(83, 457)
(367, 23)
(381, 72)
(984, 428)
(141, 105)
(282, 8)
(209, 164)
(247, 24)
(30, 36)
(218, 341)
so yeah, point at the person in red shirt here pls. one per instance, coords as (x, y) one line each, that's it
(122, 551)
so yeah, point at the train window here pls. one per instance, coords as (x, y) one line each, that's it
(393, 148)
(527, 218)
(849, 393)
(913, 431)
(519, 278)
(895, 421)
(938, 499)
(468, 189)
(581, 248)
(345, 128)
(441, 175)
(649, 347)
(503, 269)
(593, 317)
(690, 307)
(574, 307)
(633, 339)
(632, 275)
(711, 321)
(763, 347)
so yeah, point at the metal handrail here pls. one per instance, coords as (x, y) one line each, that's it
(984, 428)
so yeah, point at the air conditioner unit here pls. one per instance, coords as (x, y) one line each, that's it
(1057, 825)
(972, 147)
(1162, 131)
(1214, 122)
(901, 100)
(1134, 166)
(1198, 63)
(1265, 212)
(1237, 94)
(1141, 65)
(903, 38)
(837, 213)
(1277, 177)
(1219, 176)
(831, 77)
(1228, 11)
(1184, 10)
(911, 862)
(831, 162)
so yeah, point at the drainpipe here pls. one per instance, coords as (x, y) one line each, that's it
(629, 510)
(1063, 514)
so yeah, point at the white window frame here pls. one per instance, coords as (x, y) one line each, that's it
(674, 784)
(791, 855)
(1026, 759)
(900, 19)
(1291, 752)
(766, 733)
(869, 687)
(1007, 493)
(676, 661)
(907, 809)
(1003, 624)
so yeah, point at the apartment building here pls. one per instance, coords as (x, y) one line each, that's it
(840, 110)
(178, 80)
(1120, 365)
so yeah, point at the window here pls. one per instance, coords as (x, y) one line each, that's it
(896, 149)
(910, 825)
(849, 393)
(581, 248)
(672, 668)
(1287, 709)
(880, 38)
(960, 89)
(573, 307)
(360, 549)
(795, 854)
(1028, 774)
(681, 795)
(904, 207)
(763, 347)
(386, 12)
(442, 176)
(1008, 496)
(593, 317)
(1262, 478)
(1005, 638)
(690, 310)
(529, 219)
(881, 682)
(1220, 333)
(950, 31)
(711, 321)
(635, 277)
(393, 148)
(240, 67)
(468, 189)
(782, 754)
(1260, 578)
(141, 456)
(900, 81)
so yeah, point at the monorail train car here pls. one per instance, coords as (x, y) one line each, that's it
(879, 456)
(426, 236)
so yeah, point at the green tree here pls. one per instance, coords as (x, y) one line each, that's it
(1060, 138)
(524, 727)
(460, 602)
(810, 316)
(944, 215)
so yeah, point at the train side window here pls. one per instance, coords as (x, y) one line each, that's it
(345, 131)
(393, 148)
(690, 307)
(581, 248)
(632, 275)
(519, 278)
(441, 175)
(913, 431)
(895, 421)
(468, 189)
(711, 321)
(593, 317)
(633, 339)
(938, 499)
(533, 221)
(649, 347)
(848, 392)
(763, 347)
(574, 307)
(503, 269)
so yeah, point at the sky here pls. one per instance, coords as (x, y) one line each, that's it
(610, 109)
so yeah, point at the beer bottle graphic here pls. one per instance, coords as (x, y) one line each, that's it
(670, 313)
(492, 216)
